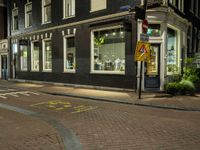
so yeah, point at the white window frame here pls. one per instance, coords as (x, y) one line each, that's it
(13, 15)
(181, 5)
(32, 49)
(195, 40)
(92, 71)
(72, 7)
(21, 68)
(94, 10)
(65, 52)
(197, 8)
(43, 13)
(43, 52)
(27, 25)
(178, 48)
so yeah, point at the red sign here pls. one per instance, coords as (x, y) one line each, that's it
(145, 26)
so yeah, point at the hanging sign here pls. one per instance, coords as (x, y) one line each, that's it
(142, 52)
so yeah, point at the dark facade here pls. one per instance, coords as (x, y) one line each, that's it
(3, 24)
(82, 25)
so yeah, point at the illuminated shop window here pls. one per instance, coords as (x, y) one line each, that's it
(172, 53)
(108, 50)
(23, 57)
(47, 55)
(69, 8)
(154, 30)
(69, 53)
(35, 56)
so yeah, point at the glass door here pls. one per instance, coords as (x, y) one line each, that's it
(152, 72)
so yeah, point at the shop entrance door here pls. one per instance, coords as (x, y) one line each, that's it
(152, 72)
(4, 67)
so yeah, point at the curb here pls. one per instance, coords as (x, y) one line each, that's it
(91, 98)
(123, 102)
(167, 107)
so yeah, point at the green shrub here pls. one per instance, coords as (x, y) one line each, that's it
(187, 87)
(173, 88)
(193, 78)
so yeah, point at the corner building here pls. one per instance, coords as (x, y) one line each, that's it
(93, 42)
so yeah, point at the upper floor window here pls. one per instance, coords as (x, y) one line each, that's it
(15, 19)
(96, 5)
(173, 2)
(28, 14)
(181, 5)
(46, 11)
(69, 8)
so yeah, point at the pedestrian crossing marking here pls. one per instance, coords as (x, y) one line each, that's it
(17, 94)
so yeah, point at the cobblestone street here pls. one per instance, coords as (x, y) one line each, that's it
(97, 125)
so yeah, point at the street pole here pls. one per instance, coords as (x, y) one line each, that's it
(141, 63)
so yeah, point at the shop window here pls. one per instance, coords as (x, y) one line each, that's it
(69, 53)
(28, 15)
(15, 19)
(108, 51)
(97, 5)
(46, 11)
(172, 45)
(23, 57)
(47, 55)
(154, 30)
(69, 8)
(35, 56)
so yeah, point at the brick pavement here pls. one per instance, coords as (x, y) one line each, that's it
(19, 132)
(125, 127)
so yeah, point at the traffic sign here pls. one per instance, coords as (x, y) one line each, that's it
(144, 37)
(145, 26)
(142, 52)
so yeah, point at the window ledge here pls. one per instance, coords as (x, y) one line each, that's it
(28, 27)
(64, 18)
(93, 11)
(34, 70)
(47, 71)
(69, 71)
(108, 72)
(44, 23)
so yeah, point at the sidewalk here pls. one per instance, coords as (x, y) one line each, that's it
(159, 100)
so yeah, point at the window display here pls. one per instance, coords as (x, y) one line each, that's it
(109, 50)
(70, 54)
(23, 57)
(35, 56)
(152, 65)
(154, 30)
(172, 51)
(47, 55)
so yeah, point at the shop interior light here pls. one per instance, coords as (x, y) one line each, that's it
(114, 33)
